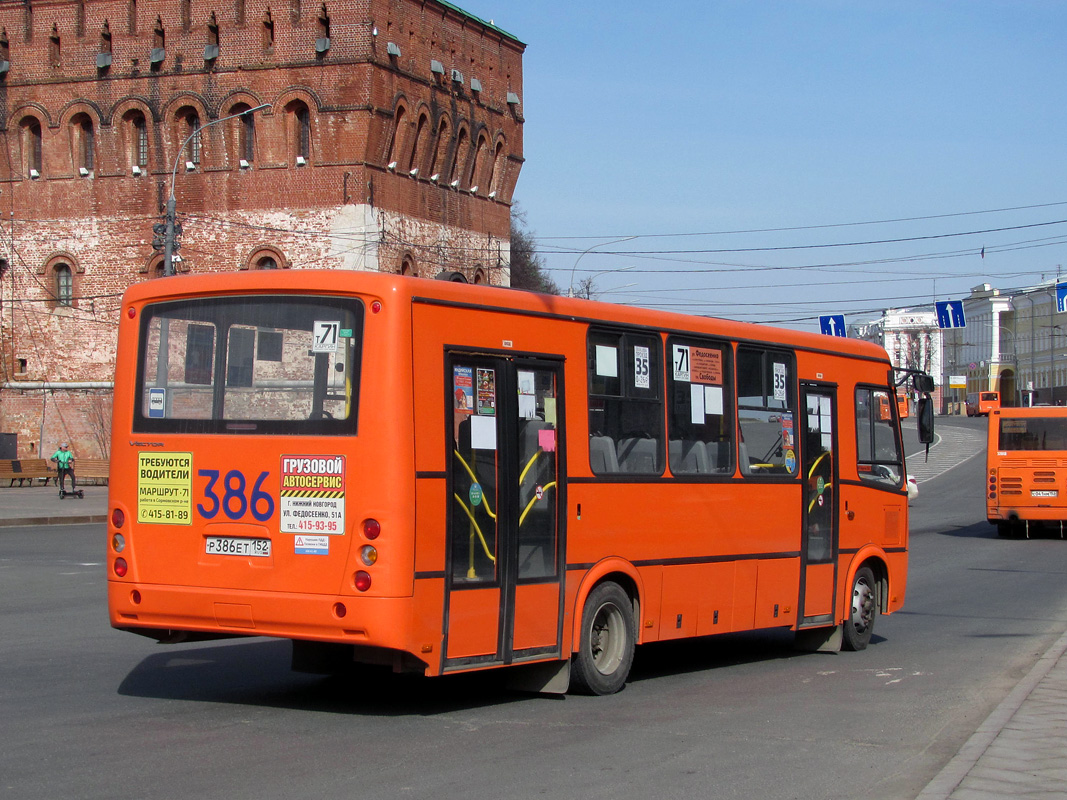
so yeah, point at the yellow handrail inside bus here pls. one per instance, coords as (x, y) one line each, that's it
(826, 485)
(533, 500)
(529, 464)
(475, 530)
(485, 500)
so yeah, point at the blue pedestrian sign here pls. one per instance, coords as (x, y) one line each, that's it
(832, 324)
(950, 314)
(1061, 296)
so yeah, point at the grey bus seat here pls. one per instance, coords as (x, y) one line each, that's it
(602, 456)
(638, 455)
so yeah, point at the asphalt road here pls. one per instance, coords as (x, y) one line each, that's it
(87, 712)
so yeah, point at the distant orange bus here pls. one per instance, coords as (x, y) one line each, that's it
(979, 404)
(1026, 462)
(442, 477)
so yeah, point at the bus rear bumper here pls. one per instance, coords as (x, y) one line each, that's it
(165, 612)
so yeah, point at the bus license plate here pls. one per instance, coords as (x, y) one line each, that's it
(1044, 493)
(233, 546)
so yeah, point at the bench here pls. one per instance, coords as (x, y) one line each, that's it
(91, 469)
(26, 469)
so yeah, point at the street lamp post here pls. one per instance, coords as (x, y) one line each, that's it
(168, 239)
(587, 251)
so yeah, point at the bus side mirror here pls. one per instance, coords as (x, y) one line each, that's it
(926, 419)
(923, 383)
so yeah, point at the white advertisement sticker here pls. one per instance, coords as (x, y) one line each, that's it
(312, 495)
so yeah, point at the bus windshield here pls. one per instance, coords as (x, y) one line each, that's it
(267, 364)
(1033, 433)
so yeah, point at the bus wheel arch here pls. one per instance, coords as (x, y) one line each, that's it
(617, 571)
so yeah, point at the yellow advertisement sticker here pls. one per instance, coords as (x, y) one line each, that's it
(165, 488)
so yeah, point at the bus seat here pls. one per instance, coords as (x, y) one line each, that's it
(688, 457)
(602, 455)
(718, 456)
(742, 459)
(638, 455)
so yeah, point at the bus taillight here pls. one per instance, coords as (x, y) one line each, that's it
(118, 542)
(368, 554)
(121, 567)
(992, 483)
(118, 518)
(362, 581)
(371, 529)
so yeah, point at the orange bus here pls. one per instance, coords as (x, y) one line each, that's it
(1026, 463)
(979, 404)
(443, 477)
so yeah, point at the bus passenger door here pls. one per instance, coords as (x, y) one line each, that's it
(819, 537)
(505, 546)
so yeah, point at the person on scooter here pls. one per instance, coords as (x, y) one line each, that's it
(65, 465)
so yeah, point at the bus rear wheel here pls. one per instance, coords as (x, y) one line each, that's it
(606, 650)
(863, 611)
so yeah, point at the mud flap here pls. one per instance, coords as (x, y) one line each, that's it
(819, 640)
(550, 677)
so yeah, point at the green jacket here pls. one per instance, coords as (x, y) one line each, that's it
(63, 458)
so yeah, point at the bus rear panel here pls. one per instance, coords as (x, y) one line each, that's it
(1026, 458)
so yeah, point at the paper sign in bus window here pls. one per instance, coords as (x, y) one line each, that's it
(713, 400)
(681, 363)
(779, 382)
(641, 368)
(487, 392)
(483, 433)
(607, 361)
(325, 336)
(705, 365)
(546, 440)
(696, 394)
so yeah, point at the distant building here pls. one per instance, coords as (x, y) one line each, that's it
(393, 143)
(983, 351)
(912, 340)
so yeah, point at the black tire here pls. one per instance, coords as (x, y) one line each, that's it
(863, 611)
(606, 651)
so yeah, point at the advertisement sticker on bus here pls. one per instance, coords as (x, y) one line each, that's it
(311, 545)
(165, 488)
(486, 392)
(312, 495)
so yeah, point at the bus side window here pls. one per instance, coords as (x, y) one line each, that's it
(877, 445)
(625, 403)
(766, 412)
(700, 396)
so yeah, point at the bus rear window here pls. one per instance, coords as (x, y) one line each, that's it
(1033, 433)
(267, 364)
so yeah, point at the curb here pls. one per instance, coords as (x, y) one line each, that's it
(25, 522)
(952, 775)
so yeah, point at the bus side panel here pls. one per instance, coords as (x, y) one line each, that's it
(430, 519)
(473, 623)
(777, 590)
(744, 612)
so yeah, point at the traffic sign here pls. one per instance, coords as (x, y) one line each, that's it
(1061, 296)
(832, 324)
(950, 314)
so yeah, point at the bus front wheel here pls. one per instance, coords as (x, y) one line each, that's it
(862, 612)
(606, 650)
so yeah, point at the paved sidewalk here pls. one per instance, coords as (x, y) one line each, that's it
(40, 505)
(1019, 750)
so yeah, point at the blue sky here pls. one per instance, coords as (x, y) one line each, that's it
(711, 126)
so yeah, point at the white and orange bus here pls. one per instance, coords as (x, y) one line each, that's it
(444, 477)
(1026, 470)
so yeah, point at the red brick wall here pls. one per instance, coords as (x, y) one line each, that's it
(344, 208)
